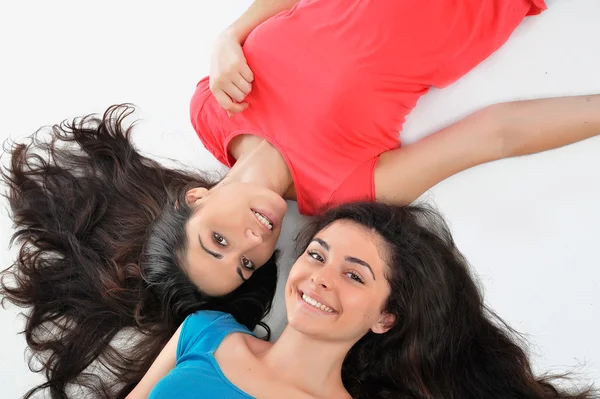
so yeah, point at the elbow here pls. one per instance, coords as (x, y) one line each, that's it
(497, 121)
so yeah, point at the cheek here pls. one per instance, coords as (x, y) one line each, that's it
(362, 308)
(268, 247)
(238, 198)
(291, 280)
(262, 254)
(299, 273)
(222, 209)
(225, 284)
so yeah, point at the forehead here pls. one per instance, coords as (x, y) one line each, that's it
(349, 236)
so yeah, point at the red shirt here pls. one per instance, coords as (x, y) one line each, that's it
(335, 79)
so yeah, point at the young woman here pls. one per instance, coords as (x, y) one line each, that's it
(101, 228)
(310, 107)
(102, 253)
(380, 304)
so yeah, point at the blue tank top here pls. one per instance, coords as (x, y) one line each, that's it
(197, 373)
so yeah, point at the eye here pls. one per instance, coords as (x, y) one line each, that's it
(315, 255)
(355, 276)
(247, 264)
(220, 240)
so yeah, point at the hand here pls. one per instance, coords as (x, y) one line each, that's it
(230, 78)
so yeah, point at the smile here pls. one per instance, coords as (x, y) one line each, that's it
(265, 221)
(316, 304)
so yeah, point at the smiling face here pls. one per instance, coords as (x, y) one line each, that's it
(232, 232)
(337, 288)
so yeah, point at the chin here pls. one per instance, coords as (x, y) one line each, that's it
(305, 329)
(307, 325)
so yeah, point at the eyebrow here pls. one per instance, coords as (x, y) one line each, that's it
(214, 254)
(239, 272)
(219, 256)
(350, 259)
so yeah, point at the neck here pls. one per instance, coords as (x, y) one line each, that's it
(313, 366)
(261, 164)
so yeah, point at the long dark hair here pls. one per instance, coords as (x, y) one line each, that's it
(445, 342)
(100, 231)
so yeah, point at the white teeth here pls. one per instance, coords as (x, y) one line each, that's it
(316, 304)
(264, 220)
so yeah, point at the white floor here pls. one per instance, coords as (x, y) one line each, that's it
(530, 227)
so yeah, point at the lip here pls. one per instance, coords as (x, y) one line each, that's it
(318, 299)
(269, 215)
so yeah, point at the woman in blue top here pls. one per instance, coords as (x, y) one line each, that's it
(380, 304)
(102, 248)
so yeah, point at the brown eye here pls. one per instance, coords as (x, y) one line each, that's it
(247, 264)
(315, 256)
(220, 240)
(356, 277)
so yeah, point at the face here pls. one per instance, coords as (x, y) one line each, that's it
(232, 232)
(337, 288)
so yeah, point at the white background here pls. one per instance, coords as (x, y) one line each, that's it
(530, 226)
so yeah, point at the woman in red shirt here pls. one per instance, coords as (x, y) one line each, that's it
(306, 98)
(313, 115)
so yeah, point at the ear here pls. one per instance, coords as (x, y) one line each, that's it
(384, 324)
(196, 194)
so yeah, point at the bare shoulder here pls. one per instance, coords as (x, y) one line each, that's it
(241, 348)
(241, 344)
(256, 345)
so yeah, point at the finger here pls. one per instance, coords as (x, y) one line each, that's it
(243, 84)
(228, 105)
(233, 92)
(237, 108)
(246, 73)
(224, 101)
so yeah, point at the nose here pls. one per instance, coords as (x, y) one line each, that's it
(323, 278)
(252, 238)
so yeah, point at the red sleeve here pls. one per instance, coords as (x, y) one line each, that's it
(206, 118)
(359, 185)
(471, 30)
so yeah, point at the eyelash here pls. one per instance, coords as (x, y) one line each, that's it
(219, 240)
(312, 254)
(251, 268)
(354, 276)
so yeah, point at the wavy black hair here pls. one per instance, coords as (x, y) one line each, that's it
(445, 343)
(100, 231)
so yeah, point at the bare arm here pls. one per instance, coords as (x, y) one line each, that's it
(498, 131)
(540, 125)
(230, 76)
(164, 362)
